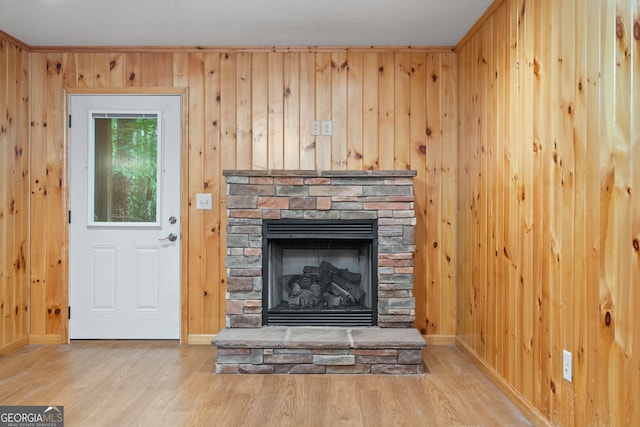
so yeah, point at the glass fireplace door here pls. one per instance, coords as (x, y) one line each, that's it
(319, 278)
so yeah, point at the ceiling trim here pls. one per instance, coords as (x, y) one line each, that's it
(248, 49)
(15, 41)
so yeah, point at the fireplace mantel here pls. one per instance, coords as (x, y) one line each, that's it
(277, 173)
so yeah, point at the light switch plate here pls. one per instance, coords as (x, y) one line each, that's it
(315, 127)
(326, 128)
(203, 201)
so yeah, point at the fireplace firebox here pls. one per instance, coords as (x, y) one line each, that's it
(319, 273)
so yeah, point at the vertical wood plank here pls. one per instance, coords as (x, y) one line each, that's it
(117, 70)
(608, 397)
(164, 63)
(419, 164)
(482, 210)
(402, 107)
(102, 69)
(370, 134)
(463, 314)
(567, 187)
(500, 48)
(622, 199)
(6, 225)
(227, 158)
(243, 110)
(55, 204)
(433, 187)
(22, 152)
(339, 66)
(7, 192)
(292, 111)
(555, 229)
(323, 108)
(448, 159)
(276, 110)
(259, 104)
(86, 70)
(469, 269)
(148, 69)
(579, 344)
(199, 287)
(70, 72)
(354, 110)
(227, 103)
(132, 69)
(542, 159)
(514, 371)
(12, 213)
(180, 70)
(634, 153)
(529, 302)
(216, 125)
(591, 86)
(38, 200)
(492, 202)
(386, 113)
(307, 110)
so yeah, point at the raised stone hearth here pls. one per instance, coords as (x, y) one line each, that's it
(383, 201)
(319, 350)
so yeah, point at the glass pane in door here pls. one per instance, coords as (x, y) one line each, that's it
(125, 165)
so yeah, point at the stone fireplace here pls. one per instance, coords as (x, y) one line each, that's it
(319, 252)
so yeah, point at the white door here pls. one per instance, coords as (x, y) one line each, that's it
(124, 243)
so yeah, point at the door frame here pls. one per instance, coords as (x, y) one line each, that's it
(184, 193)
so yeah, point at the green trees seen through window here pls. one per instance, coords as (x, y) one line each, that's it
(126, 169)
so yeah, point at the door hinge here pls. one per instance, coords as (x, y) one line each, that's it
(69, 311)
(69, 217)
(69, 121)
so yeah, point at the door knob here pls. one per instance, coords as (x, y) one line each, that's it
(171, 237)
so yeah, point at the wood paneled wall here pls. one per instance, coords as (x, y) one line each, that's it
(391, 109)
(549, 215)
(14, 193)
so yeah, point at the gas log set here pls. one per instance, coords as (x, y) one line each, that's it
(323, 286)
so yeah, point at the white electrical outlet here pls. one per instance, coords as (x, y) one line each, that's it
(203, 201)
(567, 373)
(315, 128)
(326, 127)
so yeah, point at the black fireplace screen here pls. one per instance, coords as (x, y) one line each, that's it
(319, 273)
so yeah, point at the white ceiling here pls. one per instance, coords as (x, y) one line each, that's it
(239, 22)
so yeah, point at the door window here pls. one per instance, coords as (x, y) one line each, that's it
(124, 157)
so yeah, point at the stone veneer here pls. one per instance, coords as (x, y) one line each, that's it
(324, 195)
(319, 350)
(247, 347)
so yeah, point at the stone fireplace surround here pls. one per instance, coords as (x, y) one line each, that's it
(244, 345)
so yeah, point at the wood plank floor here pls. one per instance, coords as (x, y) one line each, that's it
(161, 383)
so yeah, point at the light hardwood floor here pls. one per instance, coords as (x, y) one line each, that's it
(160, 383)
